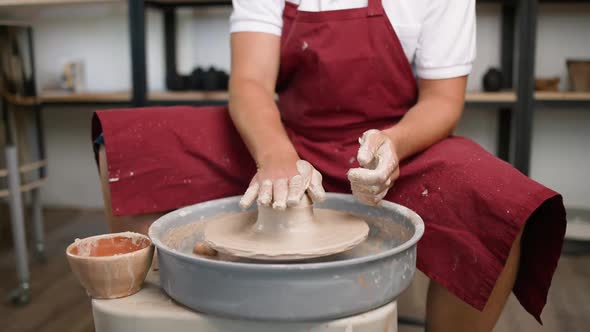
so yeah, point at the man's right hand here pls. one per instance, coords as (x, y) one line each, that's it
(282, 182)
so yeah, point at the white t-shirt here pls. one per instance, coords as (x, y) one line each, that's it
(438, 36)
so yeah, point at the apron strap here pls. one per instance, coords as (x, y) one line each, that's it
(375, 8)
(290, 9)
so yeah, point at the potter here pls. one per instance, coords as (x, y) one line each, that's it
(354, 97)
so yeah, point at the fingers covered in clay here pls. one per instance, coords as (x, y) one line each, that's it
(284, 192)
(367, 190)
(299, 184)
(370, 199)
(379, 168)
(316, 189)
(370, 142)
(280, 193)
(385, 165)
(265, 193)
(250, 195)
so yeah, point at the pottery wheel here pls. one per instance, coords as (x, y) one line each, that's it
(293, 234)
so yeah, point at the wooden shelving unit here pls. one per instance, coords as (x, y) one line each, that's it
(63, 97)
(519, 22)
(187, 97)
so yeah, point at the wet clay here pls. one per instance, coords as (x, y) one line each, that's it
(293, 234)
(383, 235)
(202, 249)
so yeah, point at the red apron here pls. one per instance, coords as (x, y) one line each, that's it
(343, 72)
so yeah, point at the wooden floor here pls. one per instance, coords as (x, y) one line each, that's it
(60, 304)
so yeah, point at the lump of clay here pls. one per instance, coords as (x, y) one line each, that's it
(202, 249)
(296, 233)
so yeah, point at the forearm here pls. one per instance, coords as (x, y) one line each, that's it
(255, 66)
(255, 115)
(433, 118)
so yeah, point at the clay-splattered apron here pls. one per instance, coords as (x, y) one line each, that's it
(344, 72)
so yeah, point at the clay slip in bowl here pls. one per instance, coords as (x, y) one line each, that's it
(111, 266)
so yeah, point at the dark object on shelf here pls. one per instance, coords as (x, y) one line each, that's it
(209, 80)
(224, 85)
(547, 84)
(197, 79)
(178, 83)
(493, 80)
(579, 74)
(29, 88)
(577, 236)
(186, 82)
(215, 80)
(174, 83)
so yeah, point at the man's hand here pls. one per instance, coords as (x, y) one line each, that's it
(282, 183)
(379, 168)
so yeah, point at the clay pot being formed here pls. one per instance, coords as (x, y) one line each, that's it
(111, 266)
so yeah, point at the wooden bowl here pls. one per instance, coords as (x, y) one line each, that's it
(579, 74)
(111, 266)
(547, 84)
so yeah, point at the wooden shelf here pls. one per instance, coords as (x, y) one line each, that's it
(124, 97)
(579, 100)
(20, 100)
(563, 96)
(84, 97)
(550, 99)
(188, 96)
(199, 97)
(490, 97)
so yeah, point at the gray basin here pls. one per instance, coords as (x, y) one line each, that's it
(369, 276)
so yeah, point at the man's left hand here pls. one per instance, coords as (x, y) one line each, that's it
(379, 167)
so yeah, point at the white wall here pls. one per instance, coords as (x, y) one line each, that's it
(560, 156)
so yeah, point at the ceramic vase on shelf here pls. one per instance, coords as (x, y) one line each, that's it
(493, 80)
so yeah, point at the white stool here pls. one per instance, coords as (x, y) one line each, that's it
(151, 310)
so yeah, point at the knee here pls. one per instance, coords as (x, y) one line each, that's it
(102, 155)
(102, 163)
(104, 178)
